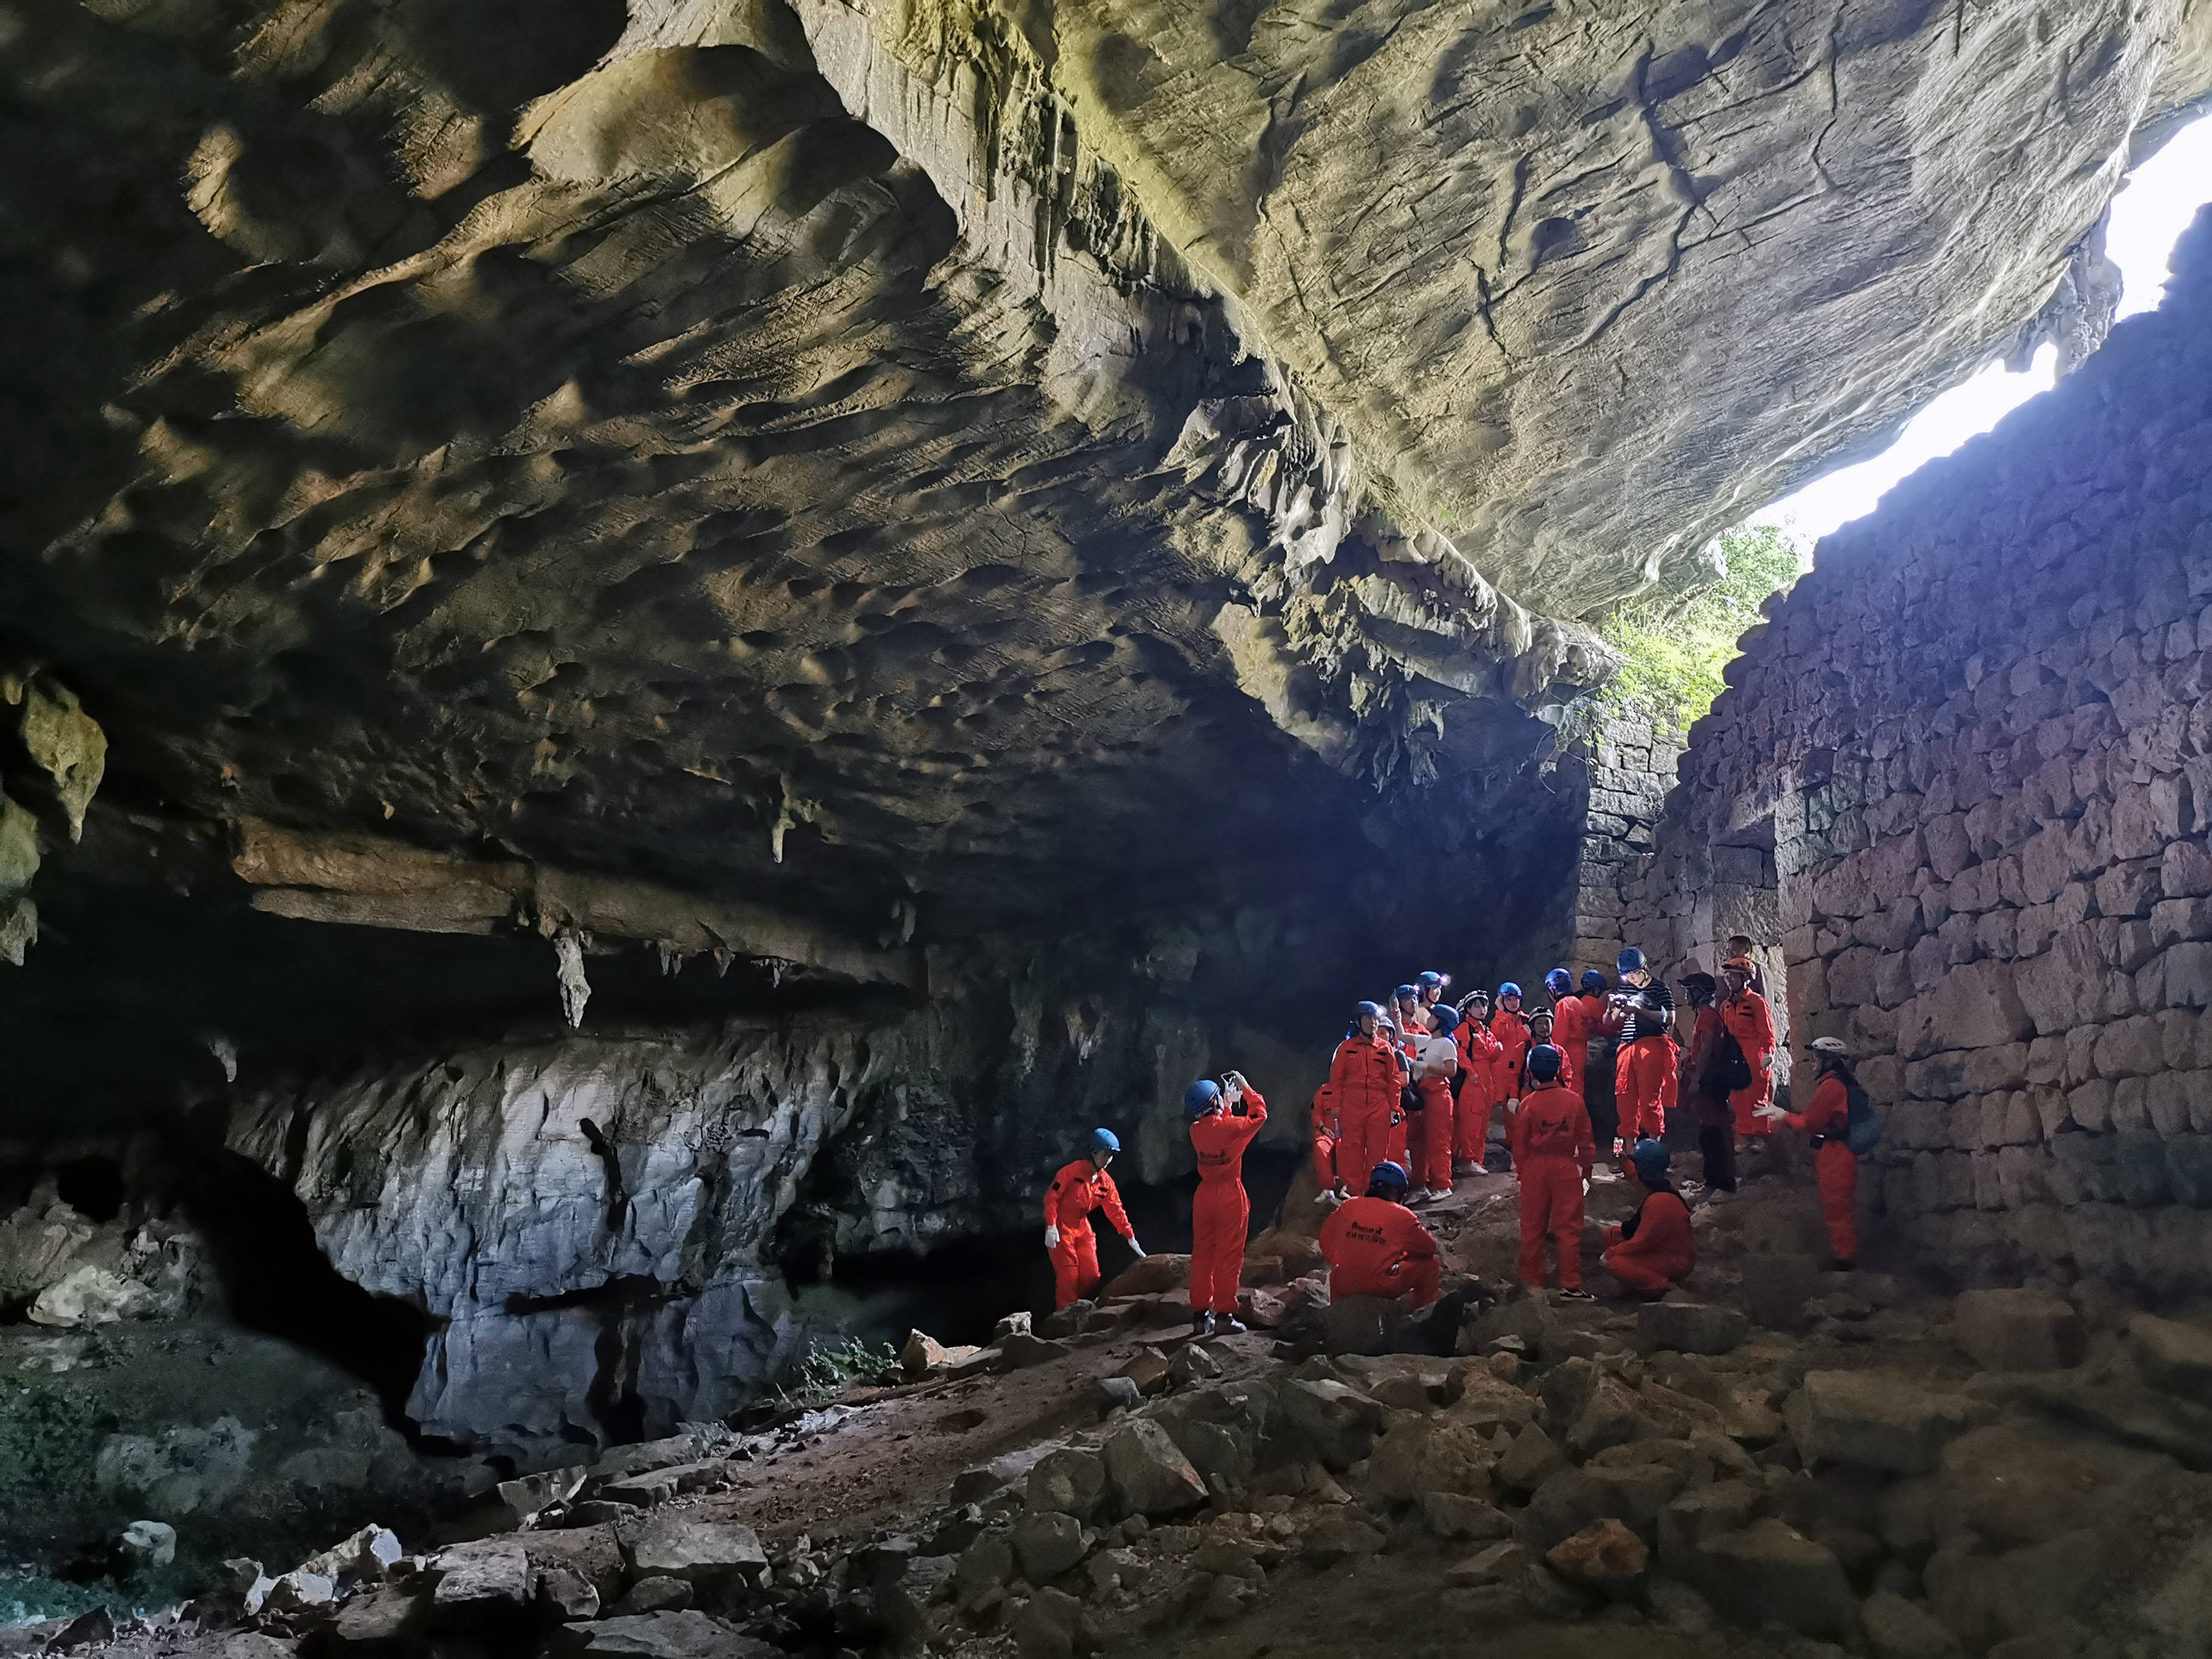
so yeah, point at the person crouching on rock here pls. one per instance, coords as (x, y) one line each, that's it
(1076, 1191)
(1375, 1246)
(1366, 1078)
(1552, 1155)
(1653, 1249)
(1828, 1118)
(1224, 1118)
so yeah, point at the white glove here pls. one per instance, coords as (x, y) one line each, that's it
(1513, 1104)
(1051, 1236)
(1768, 1110)
(1136, 1248)
(1585, 1186)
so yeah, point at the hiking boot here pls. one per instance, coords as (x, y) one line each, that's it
(1463, 1168)
(1201, 1327)
(1438, 1194)
(1578, 1294)
(1228, 1325)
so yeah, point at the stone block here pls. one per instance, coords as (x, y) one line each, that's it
(1974, 1006)
(1769, 1574)
(2175, 1355)
(1146, 1472)
(1876, 1420)
(2130, 1048)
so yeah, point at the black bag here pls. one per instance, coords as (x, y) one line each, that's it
(1409, 1099)
(1728, 1070)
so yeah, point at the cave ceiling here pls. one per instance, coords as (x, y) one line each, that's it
(922, 466)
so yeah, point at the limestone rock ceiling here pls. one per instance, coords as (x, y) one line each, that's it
(839, 453)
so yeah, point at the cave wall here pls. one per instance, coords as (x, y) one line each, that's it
(1978, 736)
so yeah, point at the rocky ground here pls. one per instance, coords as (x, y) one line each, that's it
(1879, 1469)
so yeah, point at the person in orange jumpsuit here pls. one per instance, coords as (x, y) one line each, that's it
(1540, 1036)
(1480, 1057)
(1076, 1191)
(1643, 1077)
(1570, 1022)
(1367, 1075)
(1325, 1137)
(1224, 1118)
(1748, 1019)
(1551, 1156)
(1701, 1086)
(1833, 1162)
(1510, 1027)
(1653, 1249)
(1375, 1246)
(1432, 985)
(1432, 1127)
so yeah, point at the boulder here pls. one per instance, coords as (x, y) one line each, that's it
(710, 1555)
(297, 1592)
(1046, 1544)
(985, 1565)
(923, 1353)
(684, 1635)
(1068, 1482)
(527, 1494)
(1049, 1627)
(1118, 1394)
(564, 1596)
(1339, 1421)
(1488, 1401)
(1192, 1364)
(1770, 1574)
(90, 1295)
(1529, 1459)
(1218, 1449)
(479, 1585)
(369, 1554)
(144, 1545)
(1500, 1562)
(647, 1487)
(1565, 1505)
(645, 1455)
(1614, 1416)
(656, 1593)
(1339, 1534)
(1899, 1629)
(1691, 1327)
(2173, 1355)
(1527, 1319)
(1020, 1350)
(1150, 1275)
(1607, 1557)
(382, 1615)
(1407, 1382)
(1146, 1473)
(1876, 1420)
(1450, 1514)
(1149, 1370)
(1985, 1598)
(1691, 1520)
(1424, 1454)
(2018, 1330)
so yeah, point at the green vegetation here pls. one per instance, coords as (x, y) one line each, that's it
(829, 1368)
(1673, 649)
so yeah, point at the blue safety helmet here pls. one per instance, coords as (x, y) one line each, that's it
(1544, 1062)
(1592, 980)
(1104, 1140)
(1650, 1159)
(1402, 992)
(1558, 982)
(1386, 1175)
(1362, 1010)
(1447, 1019)
(1201, 1098)
(1428, 981)
(1508, 990)
(1630, 960)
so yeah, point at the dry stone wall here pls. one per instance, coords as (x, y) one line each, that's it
(1977, 742)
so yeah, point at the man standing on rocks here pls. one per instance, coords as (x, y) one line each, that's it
(1551, 1156)
(1375, 1246)
(1078, 1190)
(1367, 1077)
(1223, 1121)
(1480, 1059)
(1431, 1128)
(1644, 1078)
(1708, 1095)
(1510, 1027)
(1751, 1022)
(1827, 1119)
(1653, 1249)
(1600, 1059)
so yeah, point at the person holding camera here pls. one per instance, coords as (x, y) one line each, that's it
(1224, 1116)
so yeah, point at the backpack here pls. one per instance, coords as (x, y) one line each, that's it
(1861, 1128)
(1727, 1071)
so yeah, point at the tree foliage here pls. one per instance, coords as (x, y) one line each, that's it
(1673, 649)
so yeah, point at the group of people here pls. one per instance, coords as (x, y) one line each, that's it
(1415, 1091)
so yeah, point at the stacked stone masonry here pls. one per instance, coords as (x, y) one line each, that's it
(1977, 740)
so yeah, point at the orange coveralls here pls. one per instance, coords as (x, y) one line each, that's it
(1655, 1247)
(1376, 1247)
(1552, 1155)
(1078, 1190)
(1325, 1137)
(1366, 1079)
(1751, 1022)
(1219, 1211)
(1834, 1163)
(1483, 1056)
